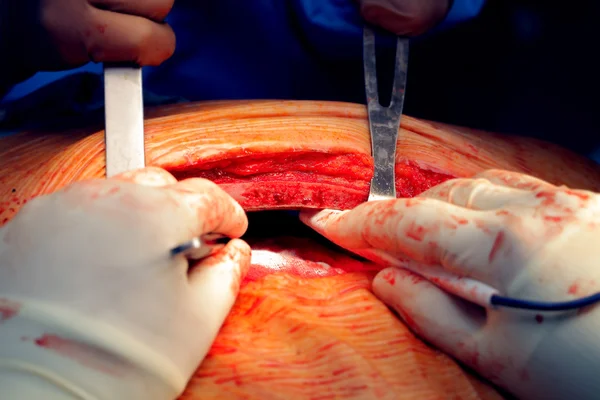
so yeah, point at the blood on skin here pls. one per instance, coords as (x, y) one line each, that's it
(474, 149)
(8, 309)
(354, 288)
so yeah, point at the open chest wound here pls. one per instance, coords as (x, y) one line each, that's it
(282, 244)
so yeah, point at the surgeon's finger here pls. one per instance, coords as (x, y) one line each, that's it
(156, 10)
(149, 176)
(206, 208)
(214, 285)
(497, 189)
(447, 322)
(128, 38)
(228, 267)
(514, 180)
(401, 225)
(476, 194)
(428, 231)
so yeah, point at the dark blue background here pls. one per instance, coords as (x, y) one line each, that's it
(522, 67)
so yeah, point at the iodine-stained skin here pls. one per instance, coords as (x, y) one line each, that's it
(306, 324)
(300, 334)
(282, 154)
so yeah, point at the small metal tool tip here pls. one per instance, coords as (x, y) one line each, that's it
(200, 247)
(184, 247)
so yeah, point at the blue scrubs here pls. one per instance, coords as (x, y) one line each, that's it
(521, 67)
(295, 49)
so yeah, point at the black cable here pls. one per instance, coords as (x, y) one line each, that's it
(544, 306)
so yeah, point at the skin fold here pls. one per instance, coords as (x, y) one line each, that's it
(306, 323)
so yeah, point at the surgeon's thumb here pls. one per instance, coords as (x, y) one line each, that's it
(215, 284)
(217, 279)
(445, 321)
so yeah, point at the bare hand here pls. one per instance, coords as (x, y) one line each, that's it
(63, 34)
(405, 17)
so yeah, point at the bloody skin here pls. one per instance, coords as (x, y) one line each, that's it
(326, 144)
(306, 324)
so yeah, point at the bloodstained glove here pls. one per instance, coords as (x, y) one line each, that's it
(92, 305)
(46, 35)
(525, 237)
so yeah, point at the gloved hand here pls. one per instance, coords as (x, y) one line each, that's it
(91, 303)
(62, 34)
(523, 236)
(405, 17)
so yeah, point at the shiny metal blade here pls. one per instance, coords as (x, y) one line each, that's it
(200, 247)
(124, 118)
(384, 122)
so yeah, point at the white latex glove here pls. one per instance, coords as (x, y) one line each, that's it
(525, 237)
(91, 304)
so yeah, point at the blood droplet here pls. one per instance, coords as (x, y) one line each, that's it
(8, 309)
